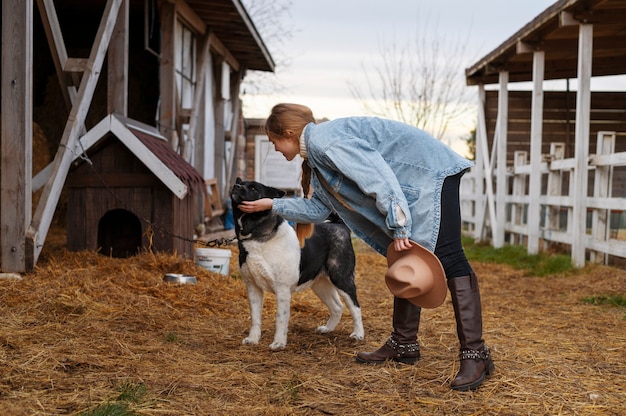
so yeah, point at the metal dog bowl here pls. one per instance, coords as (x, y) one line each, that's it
(183, 279)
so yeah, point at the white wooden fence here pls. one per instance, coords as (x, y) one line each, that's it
(574, 207)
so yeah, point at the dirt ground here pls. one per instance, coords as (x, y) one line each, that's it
(82, 329)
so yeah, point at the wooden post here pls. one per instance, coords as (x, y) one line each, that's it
(519, 191)
(602, 185)
(502, 180)
(231, 165)
(167, 107)
(199, 95)
(481, 144)
(583, 109)
(555, 186)
(220, 128)
(478, 170)
(17, 131)
(117, 82)
(536, 131)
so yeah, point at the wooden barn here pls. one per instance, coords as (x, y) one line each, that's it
(72, 66)
(551, 134)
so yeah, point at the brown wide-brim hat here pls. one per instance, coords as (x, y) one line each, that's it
(416, 275)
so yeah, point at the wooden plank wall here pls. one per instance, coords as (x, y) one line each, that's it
(608, 113)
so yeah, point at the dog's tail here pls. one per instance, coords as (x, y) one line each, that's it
(303, 231)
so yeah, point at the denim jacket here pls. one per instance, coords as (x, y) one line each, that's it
(385, 179)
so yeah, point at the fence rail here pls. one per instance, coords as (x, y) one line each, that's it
(602, 212)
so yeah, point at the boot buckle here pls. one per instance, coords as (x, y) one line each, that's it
(476, 355)
(402, 349)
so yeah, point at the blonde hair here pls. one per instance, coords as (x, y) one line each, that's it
(288, 120)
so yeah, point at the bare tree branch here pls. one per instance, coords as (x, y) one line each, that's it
(420, 83)
(270, 19)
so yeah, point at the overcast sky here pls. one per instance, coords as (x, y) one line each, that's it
(332, 40)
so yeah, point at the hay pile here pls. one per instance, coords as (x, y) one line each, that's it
(82, 328)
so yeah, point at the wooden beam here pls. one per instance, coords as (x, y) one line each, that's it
(77, 65)
(231, 165)
(52, 28)
(581, 153)
(17, 133)
(40, 224)
(200, 91)
(218, 47)
(567, 19)
(602, 188)
(117, 74)
(167, 78)
(502, 182)
(536, 139)
(220, 129)
(187, 15)
(524, 47)
(487, 173)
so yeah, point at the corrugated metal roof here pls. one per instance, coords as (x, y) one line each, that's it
(175, 162)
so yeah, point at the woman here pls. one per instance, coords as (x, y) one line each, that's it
(389, 182)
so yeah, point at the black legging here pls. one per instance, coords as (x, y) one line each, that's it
(449, 249)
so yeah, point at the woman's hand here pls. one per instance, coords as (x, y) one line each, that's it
(263, 204)
(401, 244)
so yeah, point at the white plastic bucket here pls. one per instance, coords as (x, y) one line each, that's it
(214, 260)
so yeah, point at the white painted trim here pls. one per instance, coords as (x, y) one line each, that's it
(502, 181)
(536, 132)
(152, 162)
(583, 106)
(481, 137)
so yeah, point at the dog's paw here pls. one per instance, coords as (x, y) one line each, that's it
(277, 345)
(323, 329)
(250, 341)
(357, 336)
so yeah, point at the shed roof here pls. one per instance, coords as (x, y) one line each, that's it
(230, 21)
(152, 149)
(158, 145)
(555, 31)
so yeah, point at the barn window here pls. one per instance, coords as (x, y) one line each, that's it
(185, 62)
(119, 234)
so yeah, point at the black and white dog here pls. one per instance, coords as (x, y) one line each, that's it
(271, 260)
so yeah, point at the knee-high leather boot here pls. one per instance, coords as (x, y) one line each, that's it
(402, 345)
(476, 362)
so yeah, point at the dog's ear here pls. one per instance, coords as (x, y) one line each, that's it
(271, 192)
(238, 180)
(277, 193)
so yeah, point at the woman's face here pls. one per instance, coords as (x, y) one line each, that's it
(288, 146)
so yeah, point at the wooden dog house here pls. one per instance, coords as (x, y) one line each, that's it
(129, 190)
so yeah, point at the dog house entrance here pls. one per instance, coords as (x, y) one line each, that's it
(119, 234)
